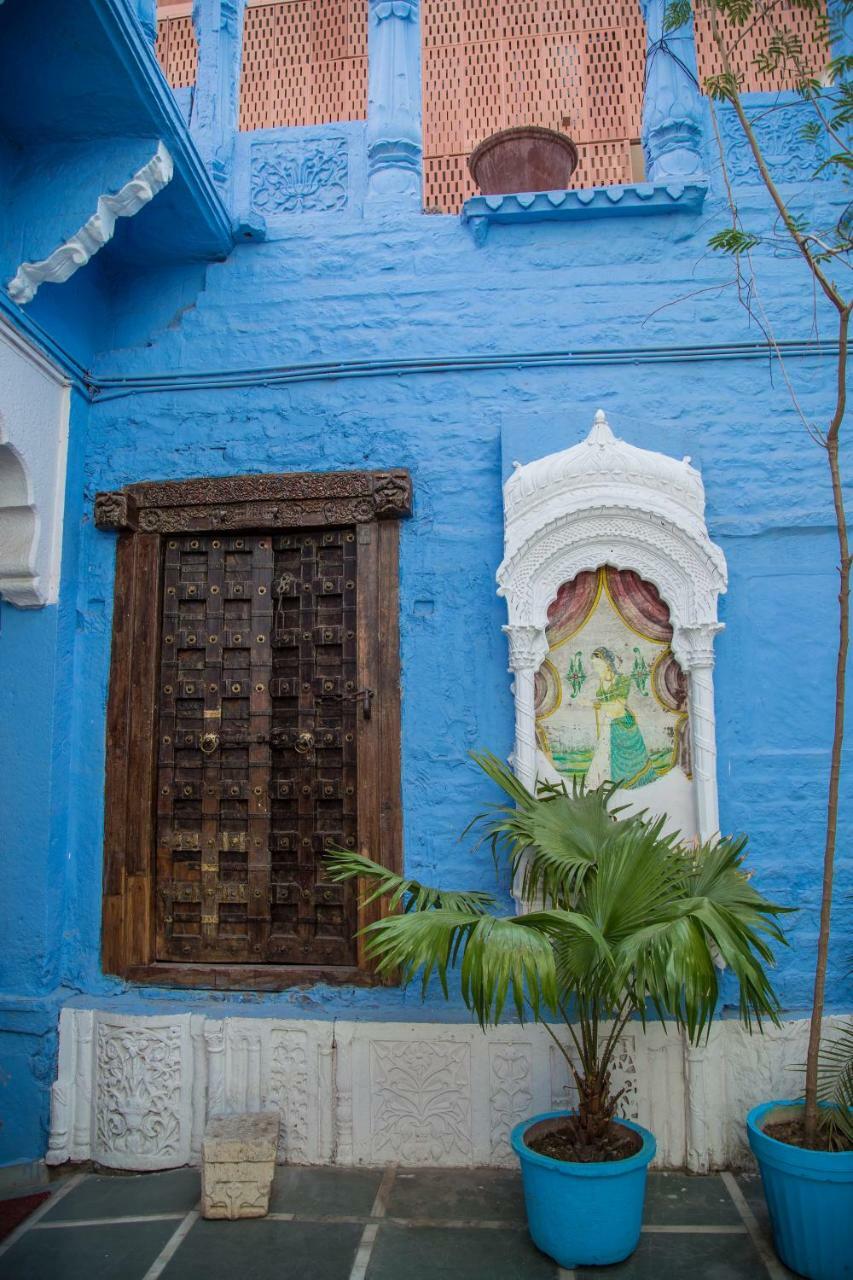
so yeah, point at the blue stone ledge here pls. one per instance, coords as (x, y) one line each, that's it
(480, 212)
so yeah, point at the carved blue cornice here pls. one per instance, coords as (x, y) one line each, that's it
(634, 200)
(127, 37)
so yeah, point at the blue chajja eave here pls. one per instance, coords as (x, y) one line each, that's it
(94, 123)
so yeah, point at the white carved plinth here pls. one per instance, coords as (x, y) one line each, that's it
(238, 1164)
(140, 1092)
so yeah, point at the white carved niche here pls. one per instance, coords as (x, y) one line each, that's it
(34, 407)
(604, 502)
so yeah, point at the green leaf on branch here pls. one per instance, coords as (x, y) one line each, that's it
(842, 158)
(738, 12)
(734, 241)
(723, 87)
(676, 14)
(381, 882)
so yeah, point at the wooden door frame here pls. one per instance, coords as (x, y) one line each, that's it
(143, 514)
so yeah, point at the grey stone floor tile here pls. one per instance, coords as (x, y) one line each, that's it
(324, 1191)
(491, 1194)
(679, 1199)
(119, 1196)
(685, 1257)
(257, 1249)
(120, 1251)
(447, 1253)
(753, 1192)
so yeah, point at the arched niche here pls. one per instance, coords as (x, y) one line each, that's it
(605, 503)
(18, 530)
(34, 405)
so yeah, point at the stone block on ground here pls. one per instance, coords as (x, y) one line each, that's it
(238, 1164)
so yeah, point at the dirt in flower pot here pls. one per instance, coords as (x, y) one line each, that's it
(793, 1132)
(567, 1142)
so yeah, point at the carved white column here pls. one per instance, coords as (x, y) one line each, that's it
(705, 1089)
(695, 647)
(63, 1092)
(199, 1086)
(214, 1035)
(672, 102)
(394, 103)
(326, 1097)
(343, 1094)
(527, 648)
(84, 1084)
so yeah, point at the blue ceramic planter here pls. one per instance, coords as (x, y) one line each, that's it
(583, 1214)
(810, 1198)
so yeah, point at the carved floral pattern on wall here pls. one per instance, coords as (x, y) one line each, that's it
(421, 1101)
(789, 155)
(299, 177)
(139, 1090)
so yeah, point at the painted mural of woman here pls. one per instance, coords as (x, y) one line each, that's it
(620, 753)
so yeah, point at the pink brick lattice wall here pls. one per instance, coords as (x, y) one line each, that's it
(573, 65)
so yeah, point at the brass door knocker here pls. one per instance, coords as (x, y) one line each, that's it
(304, 743)
(208, 742)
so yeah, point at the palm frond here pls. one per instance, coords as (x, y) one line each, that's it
(633, 921)
(344, 864)
(552, 837)
(835, 1086)
(419, 941)
(499, 956)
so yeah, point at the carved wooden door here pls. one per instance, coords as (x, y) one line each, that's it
(259, 710)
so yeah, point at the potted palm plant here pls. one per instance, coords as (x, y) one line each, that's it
(630, 925)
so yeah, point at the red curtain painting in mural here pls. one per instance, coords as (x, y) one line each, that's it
(641, 608)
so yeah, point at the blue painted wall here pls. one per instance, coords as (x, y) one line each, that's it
(647, 326)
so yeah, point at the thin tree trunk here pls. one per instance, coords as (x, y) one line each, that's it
(833, 294)
(811, 1108)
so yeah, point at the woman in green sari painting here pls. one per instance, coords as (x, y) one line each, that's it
(620, 753)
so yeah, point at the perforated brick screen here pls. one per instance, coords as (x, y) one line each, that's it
(304, 62)
(177, 50)
(573, 65)
(810, 27)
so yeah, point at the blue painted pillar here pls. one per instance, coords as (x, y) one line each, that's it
(394, 103)
(216, 100)
(673, 108)
(146, 12)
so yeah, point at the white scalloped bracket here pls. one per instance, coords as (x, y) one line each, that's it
(607, 502)
(58, 266)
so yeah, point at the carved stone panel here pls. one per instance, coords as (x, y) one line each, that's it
(420, 1104)
(143, 1088)
(299, 177)
(510, 1095)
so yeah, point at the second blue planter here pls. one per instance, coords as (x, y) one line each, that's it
(583, 1214)
(809, 1195)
